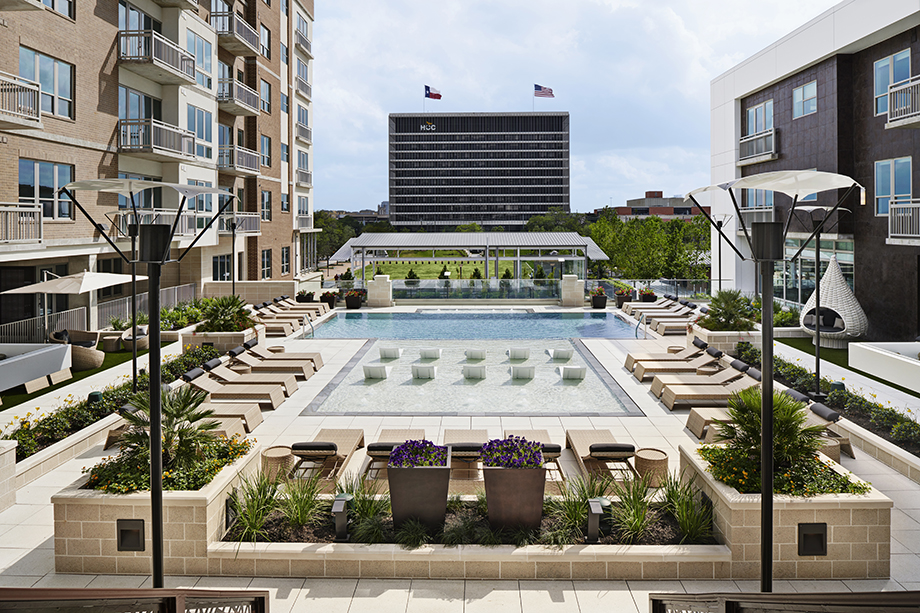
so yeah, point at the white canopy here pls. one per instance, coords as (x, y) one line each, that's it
(793, 183)
(126, 187)
(79, 283)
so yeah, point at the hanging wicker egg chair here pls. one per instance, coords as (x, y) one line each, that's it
(841, 318)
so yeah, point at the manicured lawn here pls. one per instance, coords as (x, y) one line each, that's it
(839, 357)
(431, 270)
(18, 395)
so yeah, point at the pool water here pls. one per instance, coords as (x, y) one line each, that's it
(438, 324)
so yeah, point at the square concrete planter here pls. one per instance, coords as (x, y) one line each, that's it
(85, 533)
(725, 342)
(222, 341)
(858, 529)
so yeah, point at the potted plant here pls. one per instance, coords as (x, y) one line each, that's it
(623, 295)
(598, 298)
(418, 474)
(330, 298)
(515, 479)
(353, 299)
(647, 294)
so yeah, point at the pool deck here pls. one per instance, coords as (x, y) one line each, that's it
(26, 529)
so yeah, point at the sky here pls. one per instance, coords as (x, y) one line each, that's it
(633, 75)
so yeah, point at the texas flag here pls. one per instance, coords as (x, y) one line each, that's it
(431, 92)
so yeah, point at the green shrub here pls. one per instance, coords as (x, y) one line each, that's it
(254, 501)
(225, 314)
(300, 502)
(907, 431)
(728, 311)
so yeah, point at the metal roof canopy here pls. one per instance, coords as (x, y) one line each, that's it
(478, 241)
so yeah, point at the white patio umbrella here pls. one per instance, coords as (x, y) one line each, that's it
(78, 283)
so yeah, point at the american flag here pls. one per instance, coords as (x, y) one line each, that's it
(542, 92)
(432, 93)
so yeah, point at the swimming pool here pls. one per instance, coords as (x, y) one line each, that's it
(480, 324)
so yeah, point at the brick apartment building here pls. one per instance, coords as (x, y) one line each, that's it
(654, 204)
(213, 94)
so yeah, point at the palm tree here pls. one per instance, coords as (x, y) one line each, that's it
(225, 314)
(187, 428)
(728, 310)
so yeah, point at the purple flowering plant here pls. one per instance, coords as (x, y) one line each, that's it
(512, 452)
(413, 454)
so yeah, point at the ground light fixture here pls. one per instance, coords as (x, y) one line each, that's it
(154, 241)
(766, 242)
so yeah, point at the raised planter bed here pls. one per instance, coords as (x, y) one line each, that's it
(223, 341)
(723, 341)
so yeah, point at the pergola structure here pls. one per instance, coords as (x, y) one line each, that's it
(480, 247)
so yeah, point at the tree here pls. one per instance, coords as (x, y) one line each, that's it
(443, 274)
(469, 227)
(334, 234)
(378, 226)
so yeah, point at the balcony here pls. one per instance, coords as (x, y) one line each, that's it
(904, 104)
(303, 133)
(303, 43)
(246, 223)
(304, 89)
(188, 221)
(904, 223)
(155, 140)
(237, 99)
(152, 55)
(20, 103)
(235, 35)
(757, 148)
(21, 5)
(755, 214)
(20, 223)
(304, 223)
(304, 178)
(187, 5)
(236, 160)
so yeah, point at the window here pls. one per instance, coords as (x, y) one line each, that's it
(303, 72)
(265, 41)
(758, 198)
(39, 183)
(285, 203)
(201, 203)
(265, 148)
(266, 263)
(55, 77)
(892, 180)
(147, 199)
(805, 100)
(135, 105)
(64, 7)
(110, 265)
(889, 71)
(681, 210)
(639, 210)
(265, 93)
(202, 50)
(284, 153)
(302, 25)
(285, 103)
(302, 116)
(266, 205)
(284, 6)
(303, 205)
(303, 160)
(199, 122)
(759, 118)
(284, 54)
(220, 267)
(132, 18)
(285, 260)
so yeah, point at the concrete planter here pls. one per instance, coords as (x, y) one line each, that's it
(726, 342)
(85, 525)
(222, 341)
(419, 493)
(858, 529)
(7, 474)
(514, 496)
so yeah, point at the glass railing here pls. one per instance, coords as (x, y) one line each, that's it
(464, 289)
(700, 289)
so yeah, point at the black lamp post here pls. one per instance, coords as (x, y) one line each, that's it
(720, 221)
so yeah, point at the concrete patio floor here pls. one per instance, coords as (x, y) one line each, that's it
(26, 529)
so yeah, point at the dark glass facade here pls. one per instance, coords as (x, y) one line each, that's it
(494, 169)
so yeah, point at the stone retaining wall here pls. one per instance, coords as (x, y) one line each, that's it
(7, 474)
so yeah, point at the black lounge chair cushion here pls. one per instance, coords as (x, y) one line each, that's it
(236, 351)
(684, 302)
(612, 451)
(465, 449)
(797, 395)
(739, 365)
(89, 344)
(278, 299)
(382, 450)
(285, 297)
(314, 449)
(669, 296)
(704, 310)
(550, 451)
(211, 364)
(266, 303)
(251, 343)
(754, 374)
(692, 305)
(714, 352)
(699, 344)
(825, 412)
(192, 374)
(63, 335)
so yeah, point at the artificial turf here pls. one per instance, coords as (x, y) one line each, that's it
(18, 395)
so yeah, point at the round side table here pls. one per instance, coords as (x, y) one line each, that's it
(243, 369)
(277, 461)
(831, 449)
(652, 463)
(111, 343)
(276, 349)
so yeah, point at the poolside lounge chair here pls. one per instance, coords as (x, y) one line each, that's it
(288, 302)
(424, 371)
(674, 326)
(697, 348)
(551, 452)
(703, 417)
(474, 371)
(269, 396)
(518, 353)
(667, 304)
(596, 450)
(223, 372)
(328, 452)
(475, 354)
(268, 309)
(679, 313)
(430, 353)
(572, 372)
(299, 368)
(230, 427)
(465, 474)
(560, 354)
(277, 328)
(250, 413)
(267, 315)
(522, 372)
(259, 350)
(734, 371)
(375, 371)
(646, 369)
(630, 306)
(819, 414)
(379, 452)
(695, 395)
(390, 353)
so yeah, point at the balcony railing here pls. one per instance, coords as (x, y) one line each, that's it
(234, 34)
(304, 178)
(304, 133)
(246, 223)
(904, 219)
(304, 89)
(305, 222)
(237, 160)
(756, 145)
(20, 103)
(188, 224)
(20, 223)
(756, 214)
(904, 101)
(155, 140)
(301, 40)
(154, 56)
(236, 98)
